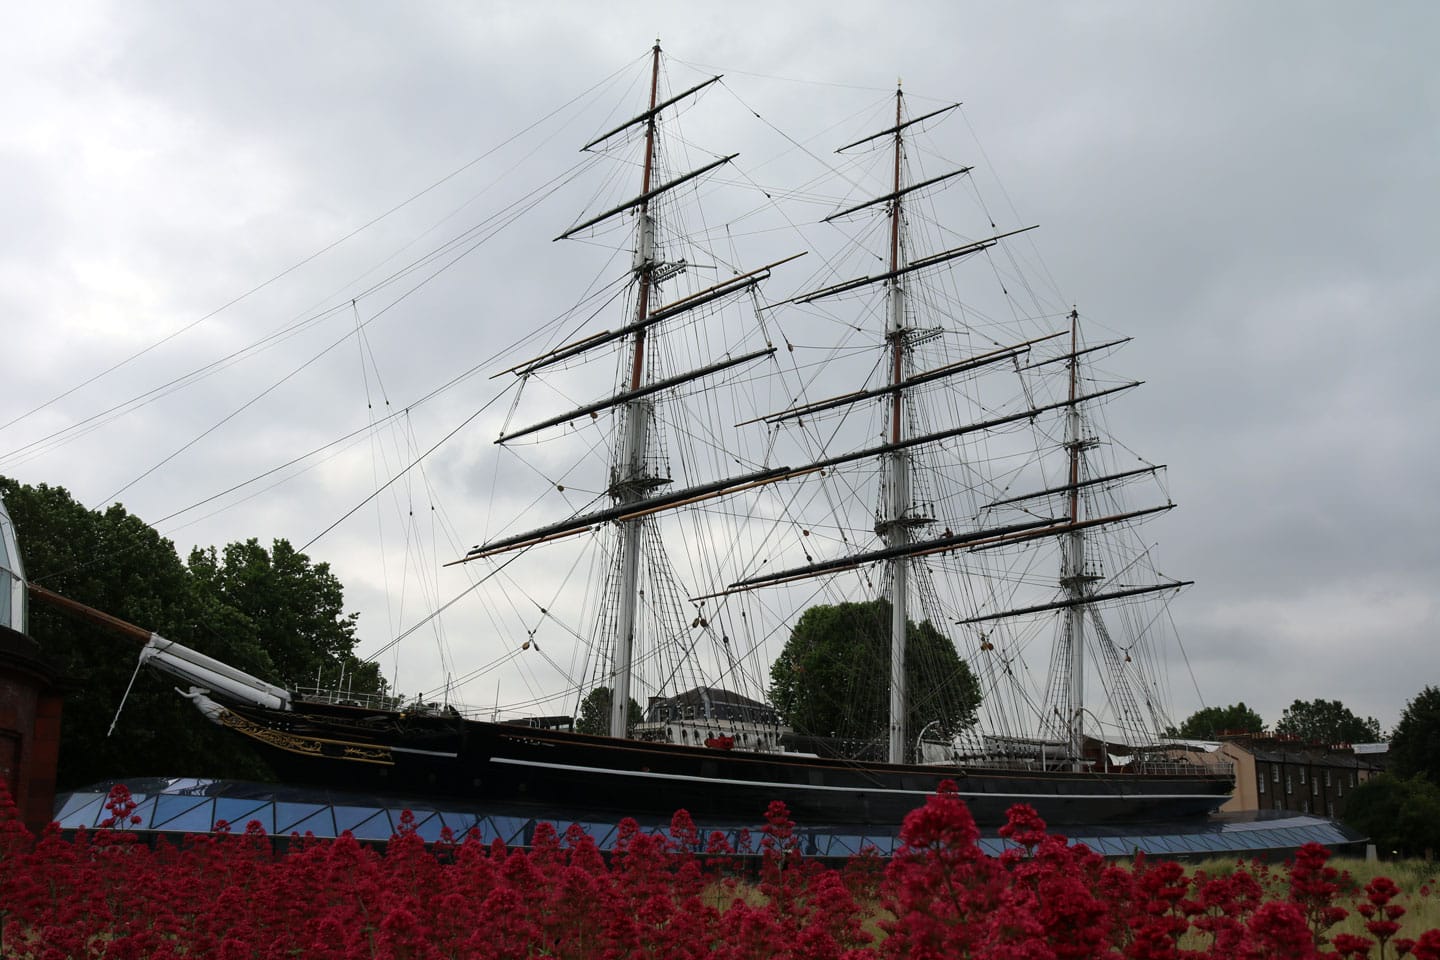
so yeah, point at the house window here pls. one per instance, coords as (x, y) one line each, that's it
(1315, 788)
(1327, 778)
(1289, 786)
(1275, 773)
(1340, 788)
(1307, 806)
(1261, 784)
(1302, 776)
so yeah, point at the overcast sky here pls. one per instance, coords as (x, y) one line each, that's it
(1249, 190)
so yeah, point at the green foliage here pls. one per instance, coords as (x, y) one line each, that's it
(1415, 743)
(295, 609)
(1209, 722)
(832, 678)
(1326, 721)
(595, 713)
(1399, 815)
(271, 614)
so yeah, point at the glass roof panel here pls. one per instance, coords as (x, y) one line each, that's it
(460, 823)
(347, 817)
(168, 808)
(198, 819)
(238, 812)
(72, 809)
(321, 823)
(377, 826)
(427, 824)
(288, 814)
(144, 809)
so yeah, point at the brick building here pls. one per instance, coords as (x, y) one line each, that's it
(1276, 773)
(30, 696)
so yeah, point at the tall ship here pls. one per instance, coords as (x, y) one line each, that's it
(841, 528)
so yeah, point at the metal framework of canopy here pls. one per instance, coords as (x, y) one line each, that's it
(181, 805)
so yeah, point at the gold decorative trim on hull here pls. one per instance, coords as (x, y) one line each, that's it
(306, 746)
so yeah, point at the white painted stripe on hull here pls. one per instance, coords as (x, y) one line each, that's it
(426, 753)
(603, 771)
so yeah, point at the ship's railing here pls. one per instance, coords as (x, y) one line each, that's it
(1147, 768)
(348, 698)
(1173, 767)
(745, 735)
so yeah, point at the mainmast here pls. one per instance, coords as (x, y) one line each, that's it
(895, 516)
(893, 528)
(628, 483)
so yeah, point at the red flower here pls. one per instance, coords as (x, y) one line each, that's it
(1349, 945)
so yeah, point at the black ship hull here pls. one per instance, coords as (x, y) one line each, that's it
(435, 756)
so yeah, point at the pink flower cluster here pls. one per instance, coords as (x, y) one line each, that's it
(104, 894)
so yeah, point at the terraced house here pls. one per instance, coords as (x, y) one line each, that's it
(1276, 773)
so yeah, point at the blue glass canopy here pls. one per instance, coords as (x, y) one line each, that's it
(182, 805)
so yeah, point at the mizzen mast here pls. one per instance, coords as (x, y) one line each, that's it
(1074, 578)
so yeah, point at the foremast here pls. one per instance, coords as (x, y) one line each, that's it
(638, 488)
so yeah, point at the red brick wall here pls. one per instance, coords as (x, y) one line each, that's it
(44, 761)
(19, 697)
(29, 731)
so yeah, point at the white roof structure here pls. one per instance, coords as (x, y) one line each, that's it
(12, 576)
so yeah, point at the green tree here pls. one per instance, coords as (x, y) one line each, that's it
(832, 677)
(1398, 815)
(278, 623)
(114, 562)
(293, 608)
(1210, 722)
(595, 713)
(1326, 721)
(1415, 742)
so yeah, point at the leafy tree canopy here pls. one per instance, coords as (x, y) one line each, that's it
(595, 713)
(271, 613)
(295, 609)
(1415, 742)
(1326, 721)
(1400, 816)
(1210, 722)
(832, 677)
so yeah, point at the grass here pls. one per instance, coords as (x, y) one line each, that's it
(1418, 880)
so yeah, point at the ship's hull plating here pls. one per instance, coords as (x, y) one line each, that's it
(506, 763)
